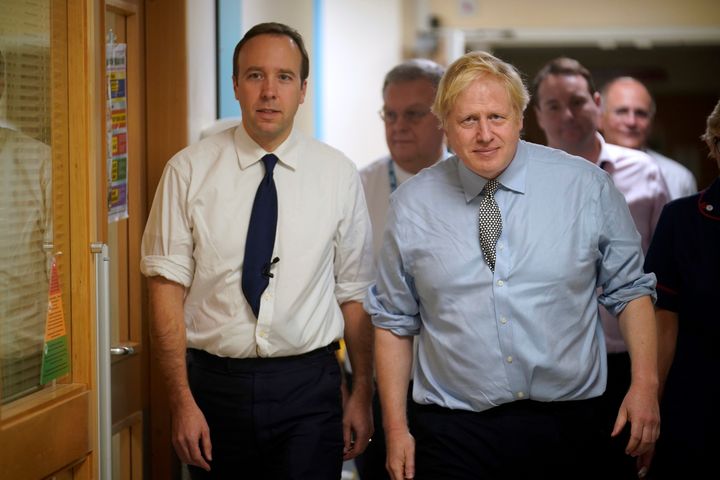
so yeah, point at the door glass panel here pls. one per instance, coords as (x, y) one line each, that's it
(117, 239)
(26, 210)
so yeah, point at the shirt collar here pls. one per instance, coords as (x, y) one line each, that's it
(249, 152)
(400, 174)
(606, 160)
(513, 178)
(403, 175)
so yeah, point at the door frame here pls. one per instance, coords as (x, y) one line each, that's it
(69, 407)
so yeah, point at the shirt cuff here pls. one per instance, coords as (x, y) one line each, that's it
(175, 268)
(351, 291)
(399, 324)
(617, 300)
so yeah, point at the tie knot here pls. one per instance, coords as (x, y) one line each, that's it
(269, 160)
(491, 187)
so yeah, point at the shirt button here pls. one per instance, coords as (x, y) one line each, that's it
(509, 359)
(521, 394)
(709, 208)
(263, 334)
(503, 320)
(500, 283)
(500, 246)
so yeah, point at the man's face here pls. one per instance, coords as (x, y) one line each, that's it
(269, 88)
(627, 117)
(567, 112)
(413, 134)
(482, 128)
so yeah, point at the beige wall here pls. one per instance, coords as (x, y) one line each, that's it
(578, 13)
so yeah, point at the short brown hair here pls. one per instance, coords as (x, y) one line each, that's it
(562, 66)
(274, 28)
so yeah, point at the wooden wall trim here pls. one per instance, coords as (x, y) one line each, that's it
(86, 115)
(167, 133)
(167, 85)
(65, 408)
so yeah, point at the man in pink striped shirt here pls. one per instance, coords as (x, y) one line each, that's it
(567, 107)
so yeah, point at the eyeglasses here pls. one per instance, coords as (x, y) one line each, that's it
(410, 116)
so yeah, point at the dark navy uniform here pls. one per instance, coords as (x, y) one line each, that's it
(685, 256)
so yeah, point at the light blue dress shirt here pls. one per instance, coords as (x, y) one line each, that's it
(531, 329)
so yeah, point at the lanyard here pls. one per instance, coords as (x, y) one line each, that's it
(391, 175)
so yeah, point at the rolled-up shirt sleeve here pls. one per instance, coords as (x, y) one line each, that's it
(621, 259)
(392, 301)
(353, 262)
(167, 243)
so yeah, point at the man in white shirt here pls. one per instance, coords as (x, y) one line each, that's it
(26, 237)
(413, 136)
(628, 110)
(415, 141)
(245, 328)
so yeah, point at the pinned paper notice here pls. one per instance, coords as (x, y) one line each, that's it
(56, 355)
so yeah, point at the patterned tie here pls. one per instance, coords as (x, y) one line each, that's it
(260, 238)
(489, 222)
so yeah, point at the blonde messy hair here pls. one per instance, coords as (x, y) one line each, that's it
(712, 133)
(468, 68)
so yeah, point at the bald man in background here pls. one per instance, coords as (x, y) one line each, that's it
(628, 110)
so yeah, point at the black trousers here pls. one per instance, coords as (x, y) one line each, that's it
(518, 440)
(277, 418)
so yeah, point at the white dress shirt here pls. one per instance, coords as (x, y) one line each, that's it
(377, 185)
(26, 236)
(680, 181)
(196, 233)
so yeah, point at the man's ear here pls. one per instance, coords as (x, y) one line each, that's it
(303, 90)
(235, 88)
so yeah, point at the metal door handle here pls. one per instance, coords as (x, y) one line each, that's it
(122, 350)
(102, 373)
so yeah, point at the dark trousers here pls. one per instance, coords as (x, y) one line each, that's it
(277, 418)
(518, 440)
(621, 465)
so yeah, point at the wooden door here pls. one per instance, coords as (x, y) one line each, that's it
(47, 423)
(126, 218)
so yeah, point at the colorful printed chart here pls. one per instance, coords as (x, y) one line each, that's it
(56, 354)
(116, 70)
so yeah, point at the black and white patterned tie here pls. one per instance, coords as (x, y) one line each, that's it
(489, 222)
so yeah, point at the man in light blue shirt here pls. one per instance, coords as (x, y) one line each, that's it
(511, 356)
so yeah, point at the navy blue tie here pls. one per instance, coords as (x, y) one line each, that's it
(261, 238)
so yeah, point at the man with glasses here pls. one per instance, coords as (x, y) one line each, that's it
(413, 136)
(415, 141)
